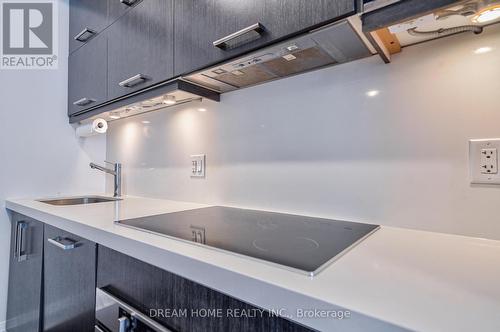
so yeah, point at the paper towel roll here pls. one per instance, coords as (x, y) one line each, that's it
(98, 126)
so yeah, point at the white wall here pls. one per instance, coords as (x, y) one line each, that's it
(315, 144)
(40, 155)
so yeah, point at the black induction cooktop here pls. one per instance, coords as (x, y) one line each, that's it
(301, 243)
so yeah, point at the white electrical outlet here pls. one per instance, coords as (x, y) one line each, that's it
(489, 162)
(483, 160)
(198, 166)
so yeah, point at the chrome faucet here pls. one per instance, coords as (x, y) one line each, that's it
(116, 171)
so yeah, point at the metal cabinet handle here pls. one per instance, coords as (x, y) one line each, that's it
(68, 244)
(19, 253)
(129, 2)
(133, 81)
(84, 102)
(85, 35)
(222, 43)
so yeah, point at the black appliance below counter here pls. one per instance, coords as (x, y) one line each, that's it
(114, 315)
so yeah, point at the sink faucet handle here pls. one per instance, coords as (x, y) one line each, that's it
(109, 162)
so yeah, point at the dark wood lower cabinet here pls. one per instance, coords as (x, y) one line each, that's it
(25, 275)
(54, 274)
(147, 288)
(69, 282)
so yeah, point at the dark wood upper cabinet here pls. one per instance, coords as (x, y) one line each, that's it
(25, 275)
(87, 76)
(117, 8)
(401, 11)
(140, 48)
(69, 282)
(128, 45)
(87, 18)
(199, 23)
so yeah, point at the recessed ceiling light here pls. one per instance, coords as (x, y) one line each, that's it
(114, 115)
(169, 100)
(202, 109)
(134, 108)
(219, 71)
(237, 72)
(372, 93)
(289, 57)
(483, 50)
(150, 103)
(146, 122)
(487, 14)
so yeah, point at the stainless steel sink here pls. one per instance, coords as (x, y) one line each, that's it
(79, 200)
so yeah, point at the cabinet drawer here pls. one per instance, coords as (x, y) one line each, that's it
(140, 48)
(87, 18)
(87, 76)
(245, 25)
(69, 282)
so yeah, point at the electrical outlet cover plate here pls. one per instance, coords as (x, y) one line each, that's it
(483, 160)
(198, 166)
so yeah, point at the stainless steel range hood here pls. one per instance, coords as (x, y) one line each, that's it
(334, 44)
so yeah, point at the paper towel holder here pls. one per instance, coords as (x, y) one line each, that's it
(96, 127)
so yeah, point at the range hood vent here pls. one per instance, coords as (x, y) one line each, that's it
(330, 45)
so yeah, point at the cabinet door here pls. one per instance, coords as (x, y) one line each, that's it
(199, 23)
(117, 8)
(69, 282)
(25, 275)
(87, 76)
(140, 48)
(86, 19)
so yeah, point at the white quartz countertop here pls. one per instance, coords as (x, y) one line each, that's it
(394, 279)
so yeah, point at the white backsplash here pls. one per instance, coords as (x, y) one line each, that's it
(316, 144)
